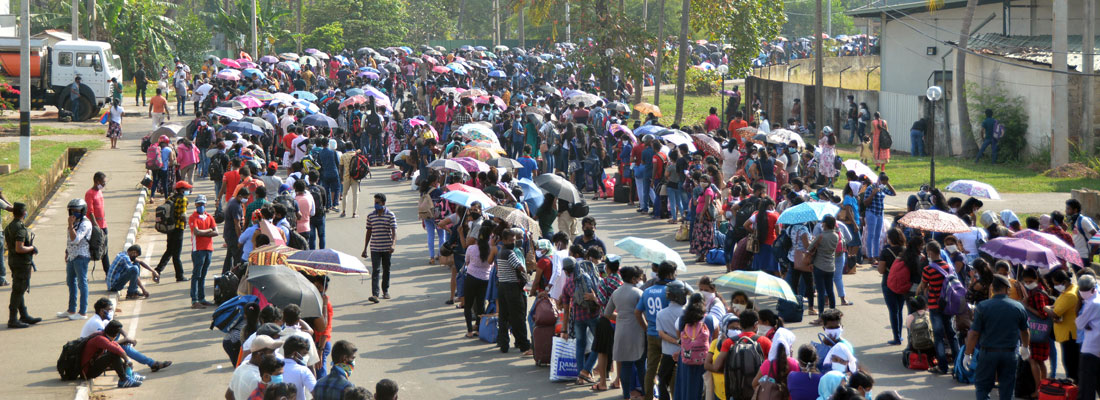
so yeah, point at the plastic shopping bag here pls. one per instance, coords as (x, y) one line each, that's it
(563, 360)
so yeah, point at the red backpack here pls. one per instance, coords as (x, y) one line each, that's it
(694, 343)
(898, 279)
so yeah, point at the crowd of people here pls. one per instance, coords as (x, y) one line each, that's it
(287, 142)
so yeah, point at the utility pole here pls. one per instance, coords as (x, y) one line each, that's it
(76, 21)
(25, 84)
(298, 11)
(660, 52)
(1059, 90)
(568, 25)
(1088, 132)
(91, 20)
(819, 80)
(255, 33)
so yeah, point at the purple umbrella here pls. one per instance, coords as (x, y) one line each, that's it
(471, 165)
(368, 75)
(269, 59)
(1056, 245)
(1021, 251)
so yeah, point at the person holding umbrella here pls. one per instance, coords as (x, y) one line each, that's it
(382, 227)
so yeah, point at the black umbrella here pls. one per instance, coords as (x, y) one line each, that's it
(320, 120)
(558, 187)
(283, 286)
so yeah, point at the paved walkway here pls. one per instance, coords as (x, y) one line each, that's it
(1020, 203)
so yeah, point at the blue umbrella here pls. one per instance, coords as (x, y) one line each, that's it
(467, 199)
(406, 49)
(304, 95)
(457, 68)
(807, 212)
(354, 92)
(532, 194)
(647, 130)
(497, 74)
(253, 71)
(368, 69)
(244, 127)
(319, 120)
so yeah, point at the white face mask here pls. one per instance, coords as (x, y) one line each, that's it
(834, 333)
(1031, 285)
(952, 248)
(1060, 288)
(737, 308)
(840, 367)
(707, 297)
(732, 333)
(763, 329)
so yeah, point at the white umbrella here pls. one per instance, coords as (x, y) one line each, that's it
(784, 136)
(651, 250)
(203, 89)
(228, 113)
(860, 169)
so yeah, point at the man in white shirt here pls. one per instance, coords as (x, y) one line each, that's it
(294, 367)
(247, 376)
(104, 311)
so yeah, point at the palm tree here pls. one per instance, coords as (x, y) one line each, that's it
(681, 66)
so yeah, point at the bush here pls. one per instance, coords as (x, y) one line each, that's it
(1008, 109)
(702, 82)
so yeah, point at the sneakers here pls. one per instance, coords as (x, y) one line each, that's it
(129, 383)
(386, 296)
(373, 299)
(71, 317)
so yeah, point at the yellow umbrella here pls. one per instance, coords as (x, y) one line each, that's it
(478, 153)
(271, 254)
(646, 108)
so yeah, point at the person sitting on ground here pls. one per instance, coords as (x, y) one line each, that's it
(104, 312)
(125, 272)
(101, 353)
(385, 390)
(919, 326)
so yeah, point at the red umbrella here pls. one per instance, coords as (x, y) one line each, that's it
(439, 69)
(229, 62)
(353, 100)
(708, 144)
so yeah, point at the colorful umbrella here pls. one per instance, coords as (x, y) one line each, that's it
(807, 212)
(250, 102)
(229, 62)
(757, 282)
(1060, 248)
(651, 250)
(353, 100)
(472, 93)
(439, 69)
(467, 199)
(1021, 251)
(471, 165)
(261, 95)
(289, 56)
(514, 217)
(617, 128)
(478, 131)
(747, 132)
(479, 153)
(270, 254)
(229, 75)
(326, 261)
(559, 187)
(708, 144)
(860, 169)
(934, 221)
(646, 109)
(283, 286)
(974, 188)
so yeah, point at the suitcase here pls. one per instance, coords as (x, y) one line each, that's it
(1057, 389)
(623, 192)
(916, 360)
(1025, 382)
(542, 343)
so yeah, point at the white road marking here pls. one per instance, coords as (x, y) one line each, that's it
(136, 312)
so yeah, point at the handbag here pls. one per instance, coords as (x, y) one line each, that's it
(805, 261)
(487, 328)
(752, 245)
(684, 232)
(769, 389)
(1039, 328)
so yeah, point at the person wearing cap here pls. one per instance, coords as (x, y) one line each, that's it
(175, 235)
(999, 327)
(247, 376)
(203, 231)
(77, 256)
(18, 239)
(270, 180)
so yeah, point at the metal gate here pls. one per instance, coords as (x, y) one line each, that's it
(899, 111)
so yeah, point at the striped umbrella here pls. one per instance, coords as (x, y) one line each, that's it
(261, 95)
(326, 261)
(271, 254)
(757, 282)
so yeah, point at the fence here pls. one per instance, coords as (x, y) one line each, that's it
(899, 111)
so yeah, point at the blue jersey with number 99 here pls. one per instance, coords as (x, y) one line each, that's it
(653, 299)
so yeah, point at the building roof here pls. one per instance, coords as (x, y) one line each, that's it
(1036, 49)
(876, 8)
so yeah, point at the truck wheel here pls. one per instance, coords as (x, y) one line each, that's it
(88, 109)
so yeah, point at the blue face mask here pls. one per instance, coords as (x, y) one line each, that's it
(200, 209)
(379, 207)
(276, 378)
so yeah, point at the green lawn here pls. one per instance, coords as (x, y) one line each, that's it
(12, 129)
(20, 185)
(908, 173)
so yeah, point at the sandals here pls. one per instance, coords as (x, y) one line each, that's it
(597, 388)
(584, 380)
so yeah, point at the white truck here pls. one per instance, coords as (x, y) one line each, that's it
(53, 69)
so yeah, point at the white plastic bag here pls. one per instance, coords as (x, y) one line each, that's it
(563, 360)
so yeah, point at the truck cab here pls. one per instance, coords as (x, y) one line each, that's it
(94, 63)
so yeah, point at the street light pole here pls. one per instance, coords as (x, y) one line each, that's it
(722, 70)
(25, 85)
(934, 94)
(255, 33)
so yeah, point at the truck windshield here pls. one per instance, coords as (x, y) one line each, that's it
(113, 60)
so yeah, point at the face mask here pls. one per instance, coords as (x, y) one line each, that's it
(589, 232)
(763, 329)
(379, 207)
(732, 333)
(707, 297)
(277, 378)
(1060, 288)
(952, 248)
(1031, 285)
(838, 367)
(737, 308)
(538, 253)
(77, 214)
(834, 333)
(200, 209)
(186, 192)
(868, 395)
(98, 187)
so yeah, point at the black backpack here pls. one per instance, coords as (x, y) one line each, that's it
(290, 205)
(203, 138)
(579, 210)
(884, 139)
(319, 200)
(225, 287)
(218, 163)
(359, 167)
(296, 241)
(68, 364)
(372, 125)
(742, 364)
(743, 214)
(165, 219)
(97, 243)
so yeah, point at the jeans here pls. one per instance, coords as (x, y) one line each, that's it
(674, 201)
(380, 262)
(204, 164)
(1090, 368)
(941, 331)
(322, 371)
(172, 251)
(873, 234)
(232, 253)
(200, 259)
(74, 104)
(181, 104)
(140, 94)
(76, 277)
(433, 233)
(136, 355)
(631, 375)
(160, 182)
(316, 233)
(585, 330)
(794, 277)
(916, 143)
(838, 273)
(824, 282)
(128, 279)
(989, 142)
(999, 366)
(852, 127)
(376, 147)
(894, 302)
(643, 193)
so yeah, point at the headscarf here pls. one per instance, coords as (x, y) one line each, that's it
(1009, 217)
(988, 218)
(784, 336)
(841, 350)
(828, 384)
(1044, 222)
(726, 321)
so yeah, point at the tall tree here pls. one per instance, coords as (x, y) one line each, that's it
(959, 80)
(681, 65)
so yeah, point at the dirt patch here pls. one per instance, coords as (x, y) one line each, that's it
(1072, 170)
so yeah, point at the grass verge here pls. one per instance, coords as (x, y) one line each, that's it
(12, 129)
(22, 185)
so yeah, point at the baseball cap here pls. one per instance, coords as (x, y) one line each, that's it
(272, 165)
(264, 342)
(201, 199)
(182, 185)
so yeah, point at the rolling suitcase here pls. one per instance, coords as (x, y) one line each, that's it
(623, 192)
(542, 339)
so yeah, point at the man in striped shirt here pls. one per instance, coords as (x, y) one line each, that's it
(933, 277)
(512, 275)
(382, 227)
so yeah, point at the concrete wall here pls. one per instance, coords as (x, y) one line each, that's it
(777, 97)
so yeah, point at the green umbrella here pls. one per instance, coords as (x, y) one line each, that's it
(758, 283)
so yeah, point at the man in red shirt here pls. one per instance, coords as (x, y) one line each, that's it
(737, 123)
(230, 181)
(203, 231)
(712, 123)
(94, 198)
(101, 353)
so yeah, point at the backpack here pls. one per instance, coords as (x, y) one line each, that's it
(96, 243)
(359, 167)
(203, 138)
(884, 139)
(998, 130)
(296, 241)
(225, 287)
(152, 158)
(964, 373)
(165, 217)
(230, 312)
(953, 293)
(319, 200)
(217, 166)
(373, 125)
(920, 333)
(310, 165)
(425, 209)
(898, 278)
(68, 364)
(782, 245)
(146, 142)
(579, 210)
(290, 205)
(742, 364)
(694, 344)
(356, 124)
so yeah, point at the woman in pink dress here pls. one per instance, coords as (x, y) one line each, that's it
(882, 156)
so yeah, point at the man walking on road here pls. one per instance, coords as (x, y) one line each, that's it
(234, 225)
(94, 198)
(158, 109)
(140, 83)
(999, 328)
(175, 236)
(382, 228)
(76, 259)
(203, 231)
(19, 241)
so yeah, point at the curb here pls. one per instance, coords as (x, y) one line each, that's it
(82, 391)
